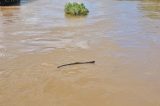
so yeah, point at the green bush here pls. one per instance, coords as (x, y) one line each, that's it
(76, 9)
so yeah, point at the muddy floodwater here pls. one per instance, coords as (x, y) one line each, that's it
(123, 37)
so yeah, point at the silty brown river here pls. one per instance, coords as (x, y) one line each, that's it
(123, 37)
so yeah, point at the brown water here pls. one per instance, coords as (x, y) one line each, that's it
(123, 37)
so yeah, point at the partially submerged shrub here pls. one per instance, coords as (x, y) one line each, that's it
(76, 9)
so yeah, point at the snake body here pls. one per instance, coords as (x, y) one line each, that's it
(76, 63)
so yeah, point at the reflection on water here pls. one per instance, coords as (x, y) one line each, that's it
(152, 7)
(122, 36)
(38, 26)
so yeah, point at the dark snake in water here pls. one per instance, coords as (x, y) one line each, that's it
(76, 63)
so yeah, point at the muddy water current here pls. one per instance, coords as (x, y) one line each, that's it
(123, 37)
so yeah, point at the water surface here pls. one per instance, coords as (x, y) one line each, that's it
(123, 37)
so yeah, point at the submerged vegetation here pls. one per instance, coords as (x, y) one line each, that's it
(76, 9)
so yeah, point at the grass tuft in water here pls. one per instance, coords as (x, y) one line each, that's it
(76, 9)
